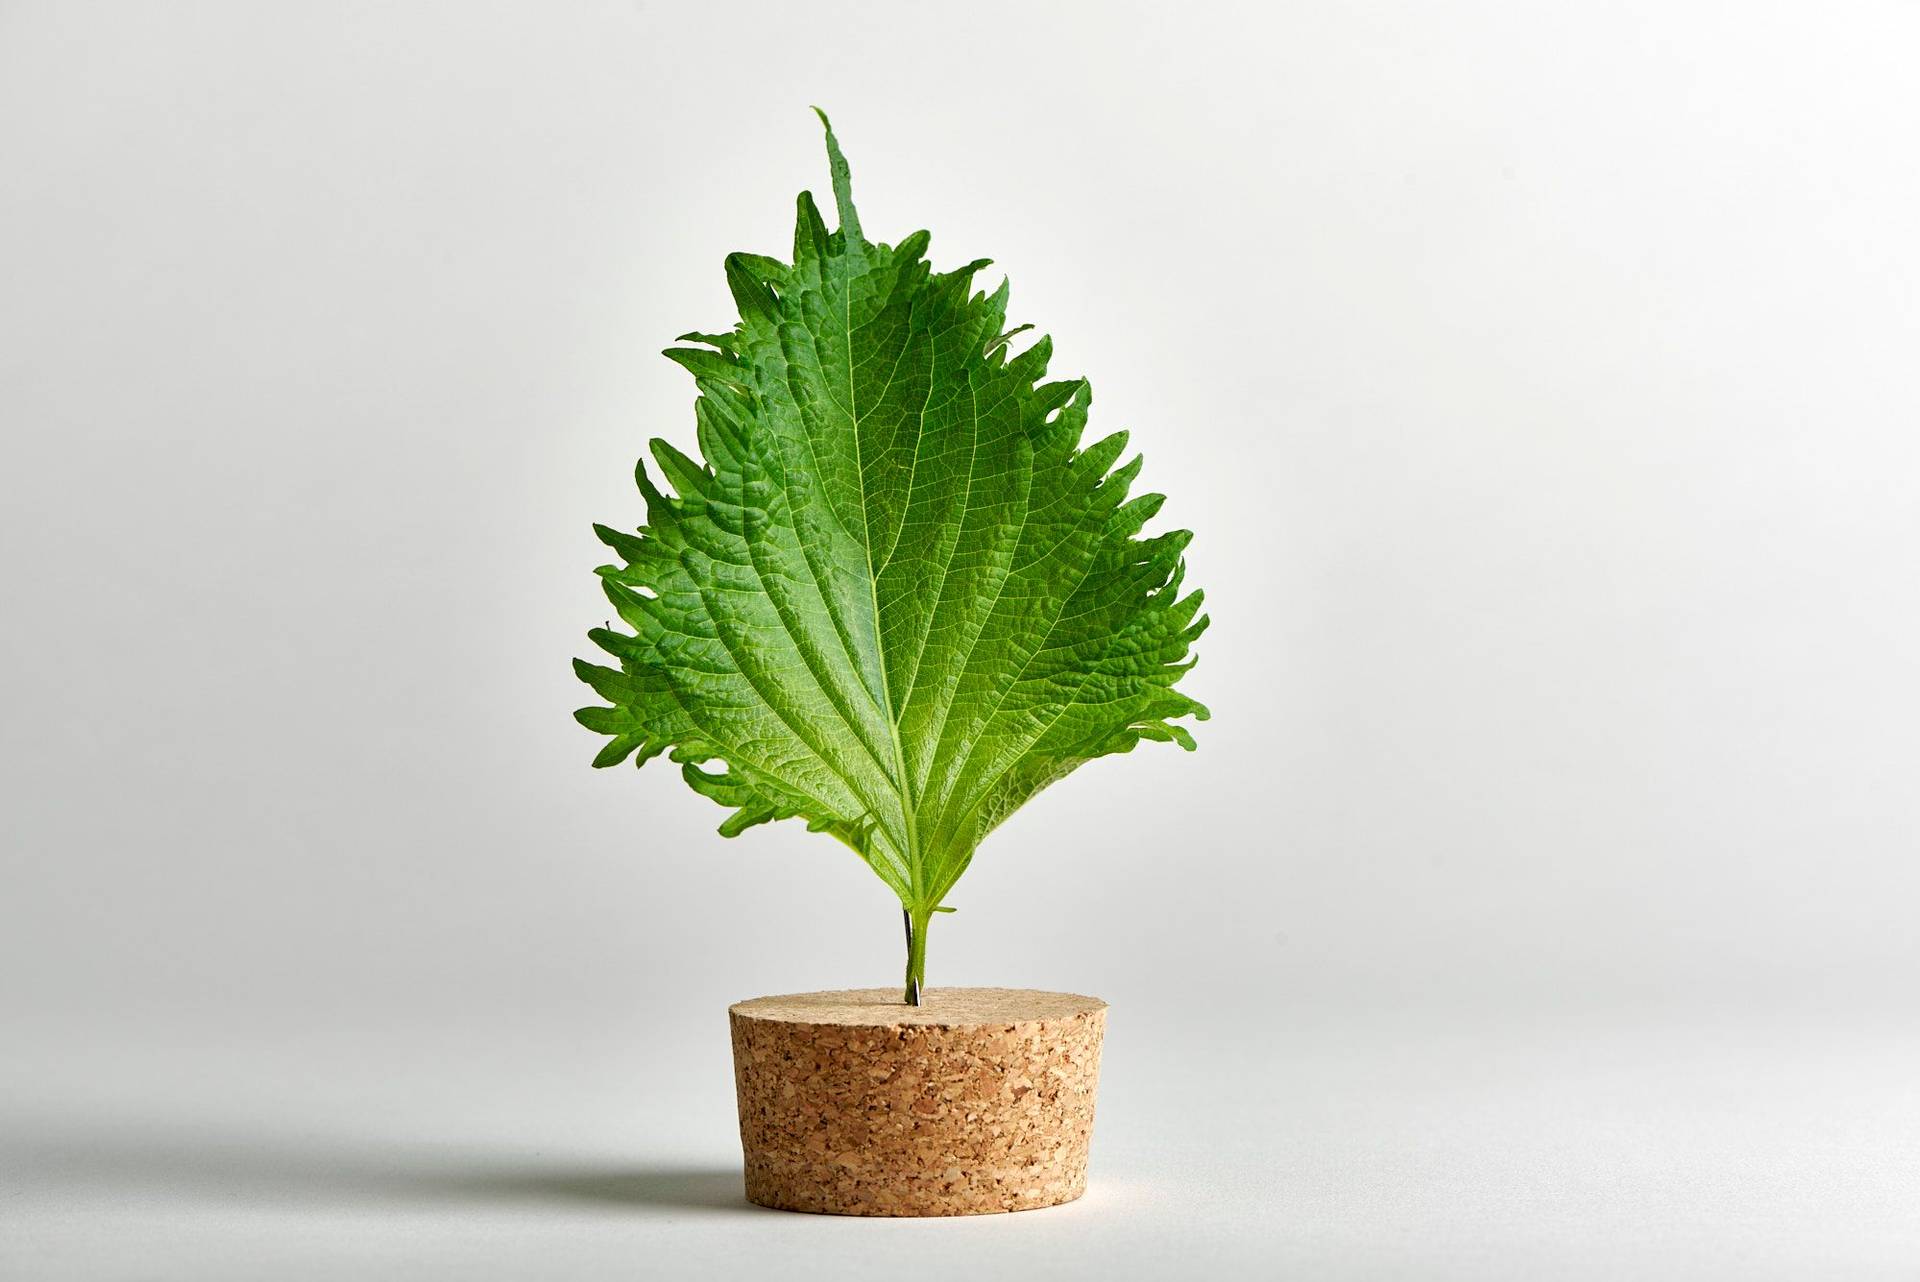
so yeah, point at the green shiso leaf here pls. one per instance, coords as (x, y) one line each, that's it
(895, 596)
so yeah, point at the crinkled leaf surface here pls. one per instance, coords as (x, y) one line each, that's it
(896, 596)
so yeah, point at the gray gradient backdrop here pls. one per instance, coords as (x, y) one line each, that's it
(1539, 380)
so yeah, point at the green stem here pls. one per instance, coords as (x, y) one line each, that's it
(916, 953)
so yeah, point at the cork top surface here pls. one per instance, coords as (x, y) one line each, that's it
(939, 1007)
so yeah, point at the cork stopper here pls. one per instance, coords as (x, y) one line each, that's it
(978, 1100)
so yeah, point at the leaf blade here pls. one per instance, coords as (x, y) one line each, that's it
(894, 596)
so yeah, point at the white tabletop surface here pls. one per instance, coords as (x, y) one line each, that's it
(1384, 1146)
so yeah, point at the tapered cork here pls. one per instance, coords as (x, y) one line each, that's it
(977, 1100)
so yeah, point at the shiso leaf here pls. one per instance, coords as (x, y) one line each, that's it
(895, 597)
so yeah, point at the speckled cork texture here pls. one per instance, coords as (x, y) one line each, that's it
(978, 1100)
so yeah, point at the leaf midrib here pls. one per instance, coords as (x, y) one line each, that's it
(902, 782)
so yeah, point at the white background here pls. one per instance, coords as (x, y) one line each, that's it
(1539, 380)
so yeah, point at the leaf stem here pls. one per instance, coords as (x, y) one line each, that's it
(916, 953)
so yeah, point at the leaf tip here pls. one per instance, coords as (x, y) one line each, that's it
(842, 183)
